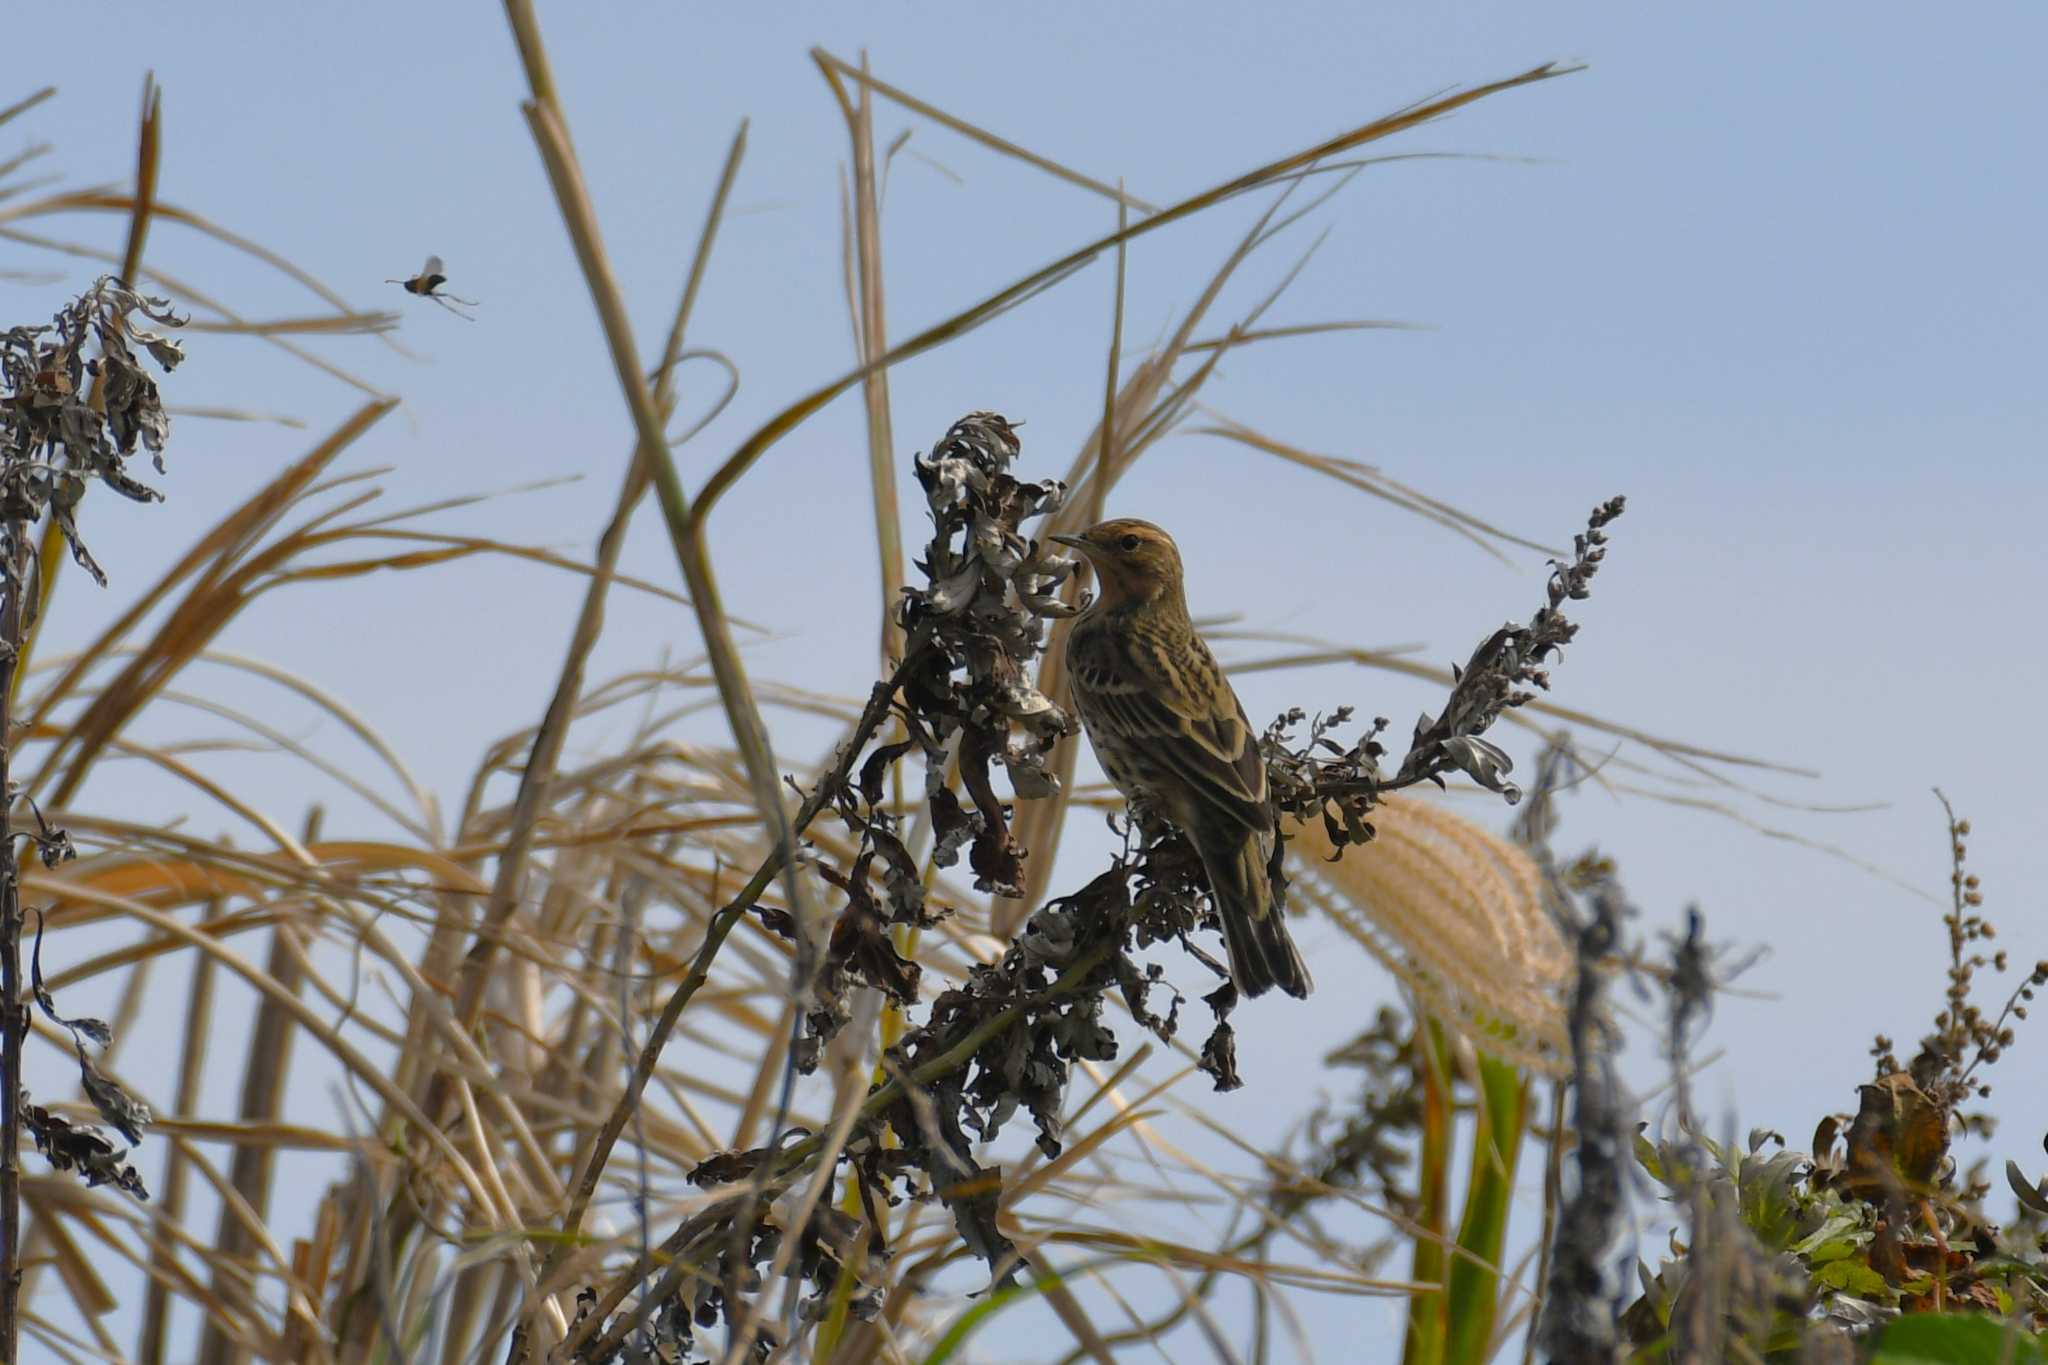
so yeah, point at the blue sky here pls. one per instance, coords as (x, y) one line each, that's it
(1773, 272)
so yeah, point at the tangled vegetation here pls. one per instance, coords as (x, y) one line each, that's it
(683, 1051)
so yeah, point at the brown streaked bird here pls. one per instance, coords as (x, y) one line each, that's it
(1168, 728)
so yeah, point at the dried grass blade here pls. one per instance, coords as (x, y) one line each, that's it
(870, 325)
(23, 106)
(324, 324)
(549, 736)
(939, 116)
(371, 1073)
(237, 415)
(20, 159)
(89, 1293)
(321, 699)
(1369, 480)
(218, 547)
(266, 1061)
(750, 733)
(460, 546)
(176, 286)
(967, 319)
(149, 146)
(170, 1209)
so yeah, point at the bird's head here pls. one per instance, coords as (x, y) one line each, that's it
(1135, 560)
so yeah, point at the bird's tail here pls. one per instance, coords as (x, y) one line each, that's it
(1262, 955)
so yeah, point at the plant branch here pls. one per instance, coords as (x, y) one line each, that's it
(797, 1159)
(13, 1012)
(715, 932)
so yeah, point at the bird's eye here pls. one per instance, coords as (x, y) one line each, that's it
(1129, 544)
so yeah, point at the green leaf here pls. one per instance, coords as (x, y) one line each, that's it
(1956, 1339)
(1852, 1276)
(1840, 1234)
(1770, 1197)
(1423, 1343)
(1837, 1249)
(1648, 1157)
(1472, 1294)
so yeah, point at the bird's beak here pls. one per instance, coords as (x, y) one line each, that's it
(1075, 541)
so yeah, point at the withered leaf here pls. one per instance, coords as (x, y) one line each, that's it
(82, 1148)
(1219, 1057)
(98, 1030)
(727, 1168)
(2028, 1192)
(876, 769)
(996, 859)
(859, 946)
(974, 1199)
(902, 884)
(1485, 763)
(128, 1115)
(1898, 1139)
(952, 825)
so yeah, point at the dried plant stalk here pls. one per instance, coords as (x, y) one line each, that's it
(639, 886)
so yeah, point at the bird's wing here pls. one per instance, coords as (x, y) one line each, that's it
(1169, 701)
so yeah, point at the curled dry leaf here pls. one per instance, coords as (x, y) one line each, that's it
(82, 1148)
(973, 632)
(54, 436)
(128, 1114)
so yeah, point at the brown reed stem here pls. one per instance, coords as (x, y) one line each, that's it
(12, 1021)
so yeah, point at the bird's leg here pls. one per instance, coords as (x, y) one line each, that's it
(1146, 818)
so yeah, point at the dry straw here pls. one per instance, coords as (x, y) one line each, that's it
(548, 1003)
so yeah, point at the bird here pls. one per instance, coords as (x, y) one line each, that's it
(427, 284)
(1170, 733)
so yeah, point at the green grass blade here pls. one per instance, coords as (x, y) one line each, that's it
(1425, 1340)
(1473, 1287)
(971, 1319)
